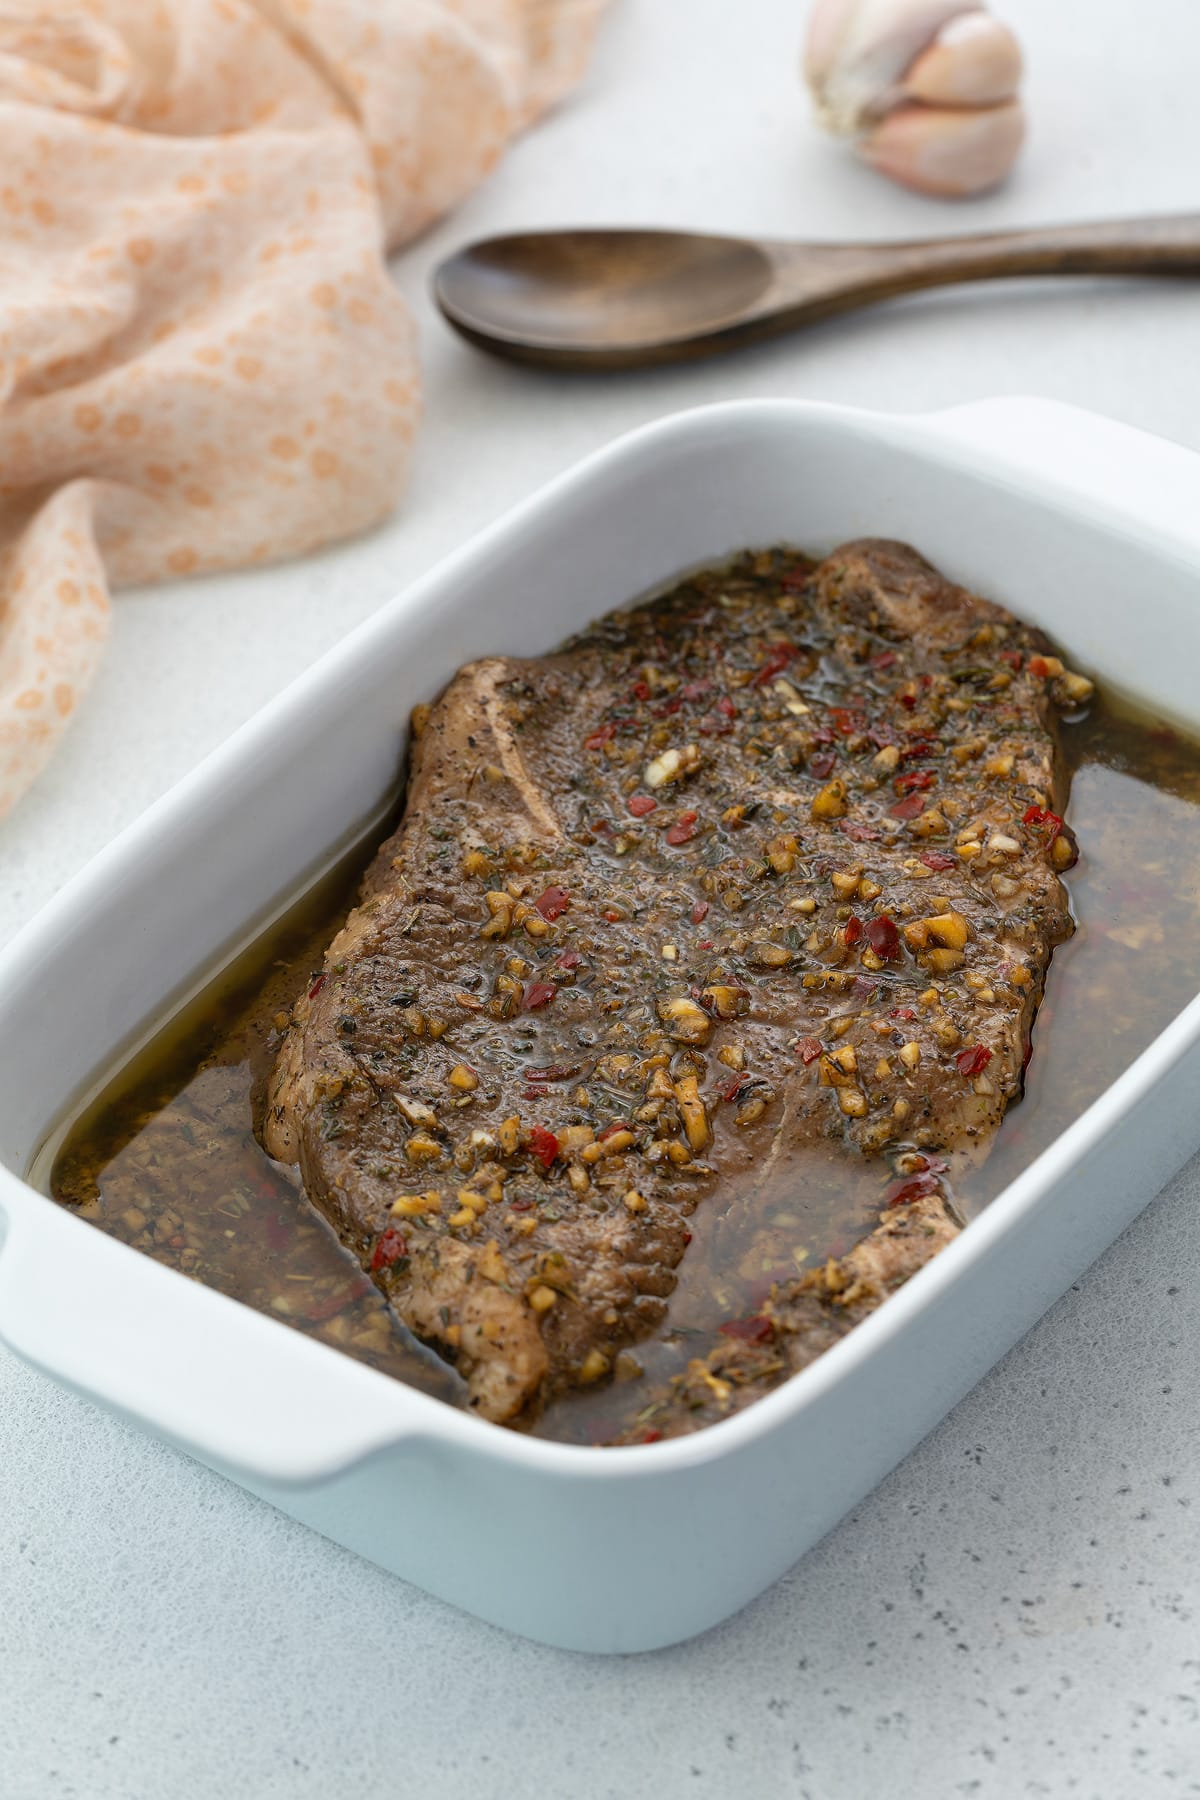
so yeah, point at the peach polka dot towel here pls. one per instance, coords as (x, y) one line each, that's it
(203, 362)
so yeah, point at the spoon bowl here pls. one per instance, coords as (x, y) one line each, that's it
(591, 299)
(560, 290)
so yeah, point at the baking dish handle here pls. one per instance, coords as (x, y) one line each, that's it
(1102, 466)
(227, 1384)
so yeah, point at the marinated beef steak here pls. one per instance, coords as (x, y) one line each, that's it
(800, 1320)
(772, 859)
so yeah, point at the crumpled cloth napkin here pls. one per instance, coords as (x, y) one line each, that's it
(203, 362)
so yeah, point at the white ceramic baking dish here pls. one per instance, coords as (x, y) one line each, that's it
(1088, 528)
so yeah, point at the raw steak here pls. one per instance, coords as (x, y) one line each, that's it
(771, 859)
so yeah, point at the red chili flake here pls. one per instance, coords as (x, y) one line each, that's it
(725, 705)
(668, 707)
(1039, 666)
(699, 912)
(714, 725)
(914, 781)
(756, 1330)
(604, 735)
(846, 720)
(687, 1238)
(925, 681)
(861, 834)
(553, 903)
(570, 959)
(914, 1189)
(653, 1436)
(937, 1165)
(884, 938)
(902, 1012)
(920, 746)
(705, 944)
(808, 1050)
(1041, 819)
(323, 1310)
(641, 804)
(883, 660)
(602, 825)
(937, 860)
(696, 690)
(853, 929)
(911, 807)
(1013, 658)
(388, 1250)
(778, 658)
(973, 1060)
(520, 1206)
(539, 993)
(611, 915)
(731, 1087)
(316, 987)
(640, 690)
(822, 766)
(908, 702)
(543, 1144)
(617, 1125)
(683, 830)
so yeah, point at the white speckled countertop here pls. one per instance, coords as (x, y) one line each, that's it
(1014, 1612)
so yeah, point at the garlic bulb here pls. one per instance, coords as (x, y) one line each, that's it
(927, 88)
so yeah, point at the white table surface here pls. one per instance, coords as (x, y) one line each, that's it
(1014, 1612)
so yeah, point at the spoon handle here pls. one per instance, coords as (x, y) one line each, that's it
(827, 278)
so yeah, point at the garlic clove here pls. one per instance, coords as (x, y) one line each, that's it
(973, 61)
(858, 50)
(939, 150)
(927, 87)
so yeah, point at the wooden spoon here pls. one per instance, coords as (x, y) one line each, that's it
(620, 299)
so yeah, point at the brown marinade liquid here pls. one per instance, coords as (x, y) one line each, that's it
(166, 1158)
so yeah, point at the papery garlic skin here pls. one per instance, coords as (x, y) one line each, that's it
(927, 87)
(858, 50)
